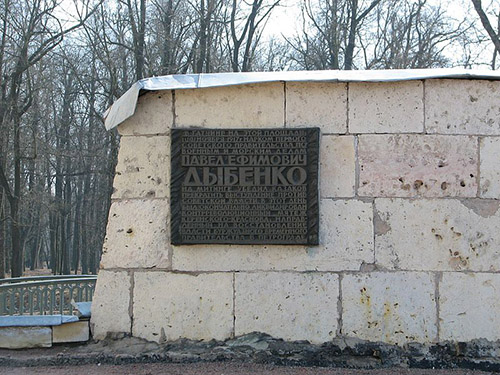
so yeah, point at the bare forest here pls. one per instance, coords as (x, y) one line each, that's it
(64, 62)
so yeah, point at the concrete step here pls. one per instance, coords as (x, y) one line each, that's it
(41, 334)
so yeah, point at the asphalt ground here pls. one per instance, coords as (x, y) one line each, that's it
(219, 368)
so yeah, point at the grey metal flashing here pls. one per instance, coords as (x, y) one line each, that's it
(36, 320)
(125, 106)
(83, 309)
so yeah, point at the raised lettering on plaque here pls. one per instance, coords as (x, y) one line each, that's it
(244, 186)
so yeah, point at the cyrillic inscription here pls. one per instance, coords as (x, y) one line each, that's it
(245, 186)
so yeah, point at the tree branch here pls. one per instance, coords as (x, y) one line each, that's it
(486, 24)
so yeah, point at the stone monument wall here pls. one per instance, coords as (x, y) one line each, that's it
(409, 233)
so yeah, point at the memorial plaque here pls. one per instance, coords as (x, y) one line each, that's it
(244, 186)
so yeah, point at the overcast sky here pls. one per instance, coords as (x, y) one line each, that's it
(286, 18)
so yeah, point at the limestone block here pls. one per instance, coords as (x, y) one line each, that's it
(25, 337)
(242, 106)
(110, 304)
(321, 104)
(337, 166)
(489, 168)
(143, 169)
(71, 332)
(386, 107)
(468, 306)
(291, 306)
(346, 241)
(417, 165)
(395, 308)
(462, 106)
(346, 235)
(169, 306)
(238, 257)
(153, 115)
(137, 235)
(438, 234)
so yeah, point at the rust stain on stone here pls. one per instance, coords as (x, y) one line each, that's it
(418, 184)
(365, 298)
(457, 261)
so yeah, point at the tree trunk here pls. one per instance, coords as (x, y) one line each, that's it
(334, 37)
(85, 241)
(17, 250)
(16, 266)
(166, 57)
(2, 235)
(59, 224)
(203, 37)
(76, 228)
(67, 223)
(36, 244)
(486, 24)
(349, 51)
(53, 241)
(138, 35)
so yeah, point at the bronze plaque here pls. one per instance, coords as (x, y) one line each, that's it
(244, 186)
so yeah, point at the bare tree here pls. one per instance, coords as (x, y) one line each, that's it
(244, 36)
(410, 35)
(56, 159)
(356, 17)
(170, 23)
(494, 36)
(329, 33)
(136, 12)
(29, 33)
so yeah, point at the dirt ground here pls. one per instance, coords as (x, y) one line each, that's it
(217, 369)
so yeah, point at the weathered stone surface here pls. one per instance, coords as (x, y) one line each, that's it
(245, 106)
(346, 242)
(25, 337)
(346, 235)
(386, 107)
(394, 308)
(110, 304)
(468, 306)
(321, 104)
(291, 306)
(337, 166)
(143, 169)
(71, 332)
(153, 115)
(137, 235)
(417, 165)
(489, 185)
(168, 306)
(462, 106)
(438, 234)
(238, 257)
